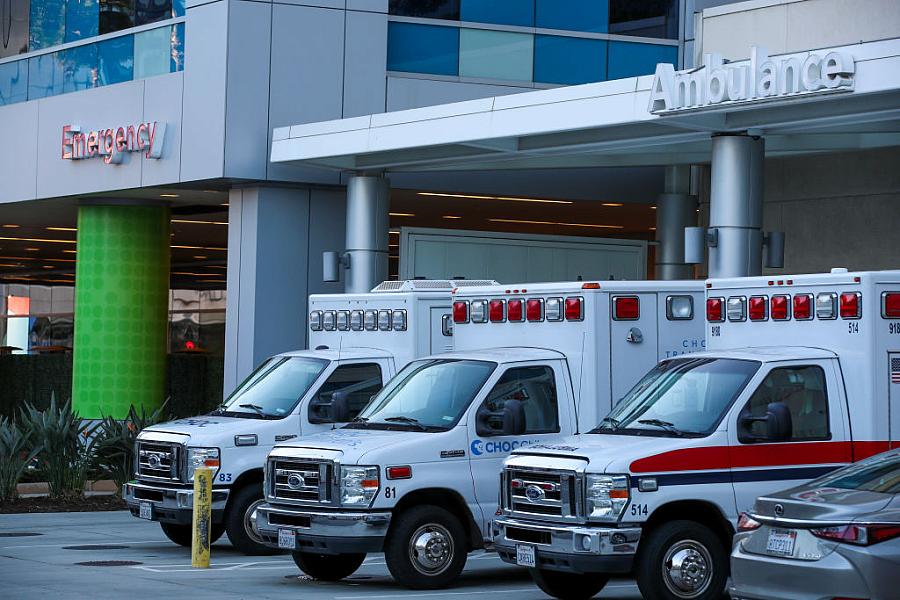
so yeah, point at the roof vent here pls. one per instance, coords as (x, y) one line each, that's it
(839, 270)
(429, 285)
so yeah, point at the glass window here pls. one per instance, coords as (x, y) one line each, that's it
(45, 75)
(431, 395)
(360, 382)
(81, 19)
(115, 60)
(274, 389)
(116, 15)
(177, 63)
(152, 52)
(535, 388)
(629, 59)
(496, 54)
(13, 82)
(47, 24)
(432, 9)
(647, 18)
(14, 28)
(574, 15)
(802, 391)
(569, 60)
(80, 68)
(680, 397)
(502, 12)
(880, 473)
(423, 48)
(151, 11)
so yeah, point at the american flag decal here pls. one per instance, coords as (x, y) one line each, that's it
(895, 370)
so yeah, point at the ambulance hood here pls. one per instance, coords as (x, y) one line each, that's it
(608, 453)
(369, 446)
(218, 432)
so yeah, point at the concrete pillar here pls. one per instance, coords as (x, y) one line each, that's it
(676, 209)
(735, 213)
(121, 310)
(276, 237)
(368, 203)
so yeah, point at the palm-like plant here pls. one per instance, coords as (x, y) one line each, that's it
(14, 457)
(115, 442)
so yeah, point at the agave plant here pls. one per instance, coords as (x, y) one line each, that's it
(14, 457)
(115, 441)
(66, 446)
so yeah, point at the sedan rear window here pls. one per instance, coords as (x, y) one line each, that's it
(877, 474)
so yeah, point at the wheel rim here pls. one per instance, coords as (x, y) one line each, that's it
(687, 569)
(431, 549)
(250, 522)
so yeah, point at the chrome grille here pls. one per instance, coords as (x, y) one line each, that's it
(158, 460)
(542, 494)
(300, 480)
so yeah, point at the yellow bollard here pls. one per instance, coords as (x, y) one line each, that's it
(202, 518)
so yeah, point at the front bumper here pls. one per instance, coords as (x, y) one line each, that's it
(171, 504)
(324, 532)
(568, 548)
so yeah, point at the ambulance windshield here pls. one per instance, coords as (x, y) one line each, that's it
(680, 397)
(274, 389)
(428, 395)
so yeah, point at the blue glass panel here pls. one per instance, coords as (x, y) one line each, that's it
(430, 9)
(116, 15)
(80, 68)
(423, 48)
(82, 19)
(503, 12)
(177, 48)
(574, 15)
(115, 60)
(177, 8)
(648, 18)
(568, 60)
(496, 54)
(47, 25)
(151, 11)
(628, 59)
(14, 27)
(45, 75)
(153, 52)
(13, 82)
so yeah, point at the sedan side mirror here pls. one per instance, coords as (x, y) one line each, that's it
(510, 420)
(334, 409)
(779, 425)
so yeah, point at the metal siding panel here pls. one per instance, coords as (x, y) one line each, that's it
(365, 64)
(18, 164)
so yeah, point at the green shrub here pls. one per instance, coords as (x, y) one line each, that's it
(14, 457)
(115, 441)
(66, 446)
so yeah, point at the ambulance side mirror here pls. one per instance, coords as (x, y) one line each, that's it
(779, 426)
(334, 409)
(510, 420)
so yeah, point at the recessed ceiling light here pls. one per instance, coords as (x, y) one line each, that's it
(198, 248)
(49, 241)
(169, 196)
(32, 249)
(11, 226)
(48, 267)
(200, 257)
(652, 207)
(525, 222)
(612, 204)
(507, 198)
(402, 214)
(198, 222)
(62, 229)
(451, 217)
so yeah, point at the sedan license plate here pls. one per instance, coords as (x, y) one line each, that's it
(146, 511)
(287, 539)
(525, 556)
(781, 542)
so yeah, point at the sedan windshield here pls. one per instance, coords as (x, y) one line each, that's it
(274, 389)
(428, 395)
(680, 397)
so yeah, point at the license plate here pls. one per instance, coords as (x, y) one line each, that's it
(146, 511)
(286, 539)
(781, 542)
(525, 556)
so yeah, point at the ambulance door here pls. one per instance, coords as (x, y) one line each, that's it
(633, 340)
(359, 380)
(811, 390)
(542, 389)
(440, 330)
(894, 398)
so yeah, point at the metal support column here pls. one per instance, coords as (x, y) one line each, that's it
(675, 210)
(736, 199)
(368, 203)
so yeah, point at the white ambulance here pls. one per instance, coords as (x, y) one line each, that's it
(415, 475)
(358, 341)
(801, 376)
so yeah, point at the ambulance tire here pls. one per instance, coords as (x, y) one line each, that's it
(237, 522)
(569, 586)
(328, 567)
(685, 543)
(426, 548)
(181, 534)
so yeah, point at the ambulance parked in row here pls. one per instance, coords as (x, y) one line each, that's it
(801, 376)
(416, 474)
(358, 341)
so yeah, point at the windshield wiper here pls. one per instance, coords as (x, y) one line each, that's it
(670, 427)
(255, 407)
(360, 420)
(408, 420)
(614, 423)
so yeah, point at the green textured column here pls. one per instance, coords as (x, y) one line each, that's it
(121, 309)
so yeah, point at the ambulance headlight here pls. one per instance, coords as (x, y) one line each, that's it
(359, 485)
(201, 458)
(606, 496)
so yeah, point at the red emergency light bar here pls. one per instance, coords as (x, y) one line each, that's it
(574, 308)
(534, 309)
(803, 307)
(715, 310)
(851, 305)
(780, 307)
(497, 311)
(758, 308)
(514, 310)
(890, 305)
(626, 308)
(460, 312)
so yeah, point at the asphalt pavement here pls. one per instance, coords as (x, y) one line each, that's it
(67, 555)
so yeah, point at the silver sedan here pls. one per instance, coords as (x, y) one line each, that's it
(835, 537)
